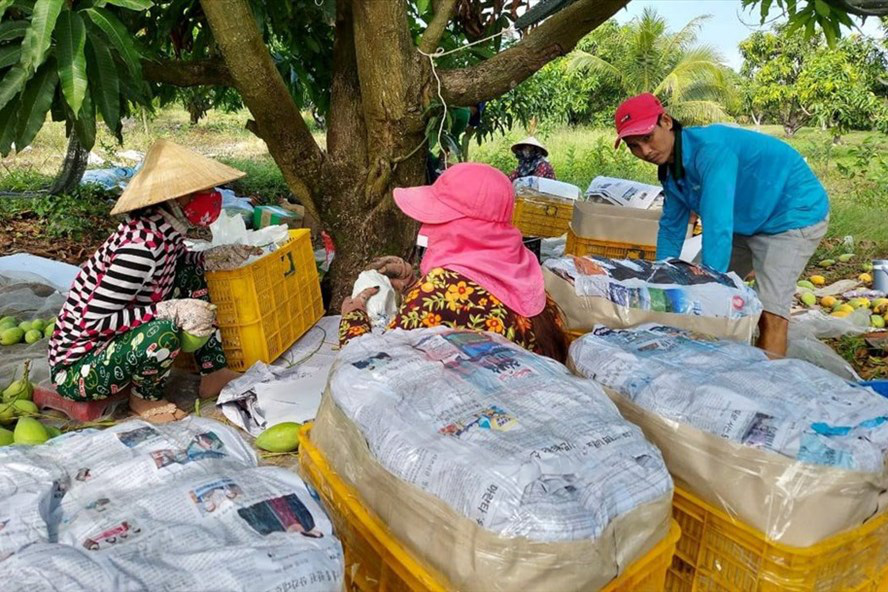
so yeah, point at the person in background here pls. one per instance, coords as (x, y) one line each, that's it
(120, 328)
(761, 206)
(476, 272)
(531, 155)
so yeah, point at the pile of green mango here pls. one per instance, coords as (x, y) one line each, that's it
(16, 406)
(12, 331)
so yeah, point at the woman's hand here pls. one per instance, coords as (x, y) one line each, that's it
(225, 257)
(359, 302)
(398, 271)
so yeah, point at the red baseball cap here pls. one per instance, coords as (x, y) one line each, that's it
(637, 116)
(465, 190)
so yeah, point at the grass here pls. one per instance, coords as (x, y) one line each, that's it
(856, 182)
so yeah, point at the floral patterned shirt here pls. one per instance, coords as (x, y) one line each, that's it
(448, 298)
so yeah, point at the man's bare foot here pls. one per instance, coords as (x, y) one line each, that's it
(160, 411)
(212, 384)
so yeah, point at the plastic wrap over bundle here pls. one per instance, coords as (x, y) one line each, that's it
(145, 507)
(495, 466)
(784, 446)
(624, 293)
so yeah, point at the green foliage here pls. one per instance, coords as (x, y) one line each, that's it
(82, 216)
(809, 16)
(792, 80)
(263, 181)
(690, 79)
(868, 165)
(71, 53)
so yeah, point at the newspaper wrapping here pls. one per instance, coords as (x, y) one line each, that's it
(799, 420)
(145, 507)
(506, 444)
(623, 293)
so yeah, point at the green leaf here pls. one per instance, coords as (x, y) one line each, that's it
(9, 55)
(12, 83)
(4, 4)
(36, 101)
(422, 6)
(765, 9)
(119, 37)
(39, 35)
(7, 128)
(105, 85)
(822, 8)
(71, 38)
(85, 125)
(830, 31)
(132, 4)
(13, 30)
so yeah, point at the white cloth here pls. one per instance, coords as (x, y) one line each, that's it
(382, 306)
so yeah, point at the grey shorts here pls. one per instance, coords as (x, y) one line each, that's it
(778, 260)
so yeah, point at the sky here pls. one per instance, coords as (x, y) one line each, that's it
(729, 24)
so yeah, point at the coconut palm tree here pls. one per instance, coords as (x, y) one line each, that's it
(690, 79)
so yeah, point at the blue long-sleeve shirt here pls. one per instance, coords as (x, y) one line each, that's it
(738, 182)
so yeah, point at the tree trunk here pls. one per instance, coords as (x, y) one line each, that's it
(69, 177)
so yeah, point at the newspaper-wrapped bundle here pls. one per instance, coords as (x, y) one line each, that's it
(495, 466)
(785, 446)
(145, 507)
(626, 193)
(626, 293)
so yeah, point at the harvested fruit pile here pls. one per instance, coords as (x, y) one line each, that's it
(17, 406)
(12, 331)
(838, 305)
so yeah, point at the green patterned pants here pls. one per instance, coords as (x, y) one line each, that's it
(142, 357)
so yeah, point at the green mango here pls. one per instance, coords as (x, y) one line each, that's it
(805, 284)
(38, 324)
(6, 437)
(33, 336)
(191, 343)
(25, 326)
(53, 431)
(22, 388)
(282, 437)
(11, 336)
(846, 257)
(30, 431)
(7, 412)
(25, 407)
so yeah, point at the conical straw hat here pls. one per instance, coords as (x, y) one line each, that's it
(530, 141)
(171, 171)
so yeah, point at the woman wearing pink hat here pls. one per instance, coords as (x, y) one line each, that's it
(476, 272)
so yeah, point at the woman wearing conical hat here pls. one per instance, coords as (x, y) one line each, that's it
(122, 325)
(531, 155)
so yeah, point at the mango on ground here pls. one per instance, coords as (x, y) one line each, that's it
(828, 301)
(808, 299)
(827, 263)
(846, 308)
(846, 257)
(805, 284)
(877, 321)
(281, 437)
(856, 303)
(29, 431)
(11, 336)
(841, 313)
(865, 278)
(817, 280)
(865, 267)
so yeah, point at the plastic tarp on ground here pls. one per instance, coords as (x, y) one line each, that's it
(623, 293)
(785, 446)
(494, 466)
(27, 297)
(143, 507)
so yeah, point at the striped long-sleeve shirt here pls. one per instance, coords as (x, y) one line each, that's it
(119, 287)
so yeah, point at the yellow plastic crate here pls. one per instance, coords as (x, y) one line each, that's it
(582, 246)
(542, 216)
(376, 562)
(719, 554)
(264, 307)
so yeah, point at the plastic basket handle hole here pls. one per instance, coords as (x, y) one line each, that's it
(551, 210)
(292, 269)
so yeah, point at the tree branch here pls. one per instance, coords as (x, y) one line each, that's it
(263, 91)
(433, 33)
(556, 37)
(184, 73)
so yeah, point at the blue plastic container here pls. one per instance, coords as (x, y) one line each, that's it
(880, 386)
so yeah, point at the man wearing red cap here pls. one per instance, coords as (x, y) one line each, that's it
(762, 207)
